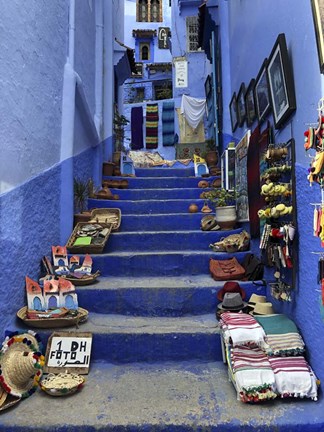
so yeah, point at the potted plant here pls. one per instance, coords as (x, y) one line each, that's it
(82, 190)
(120, 121)
(225, 206)
(211, 154)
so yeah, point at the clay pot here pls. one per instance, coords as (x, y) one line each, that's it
(81, 217)
(193, 208)
(108, 168)
(203, 184)
(124, 184)
(211, 158)
(104, 193)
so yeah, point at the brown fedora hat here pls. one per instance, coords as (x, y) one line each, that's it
(232, 287)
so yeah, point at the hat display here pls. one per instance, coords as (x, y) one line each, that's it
(232, 302)
(263, 309)
(230, 286)
(21, 364)
(256, 298)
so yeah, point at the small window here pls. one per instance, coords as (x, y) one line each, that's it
(149, 10)
(192, 33)
(144, 51)
(139, 70)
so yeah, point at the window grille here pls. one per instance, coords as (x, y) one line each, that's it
(149, 10)
(192, 33)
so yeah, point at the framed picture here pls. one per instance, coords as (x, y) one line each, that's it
(233, 112)
(281, 84)
(261, 93)
(249, 103)
(318, 16)
(241, 105)
(208, 85)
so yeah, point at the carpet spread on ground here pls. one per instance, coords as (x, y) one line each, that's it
(142, 159)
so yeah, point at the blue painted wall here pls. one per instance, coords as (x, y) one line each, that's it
(248, 34)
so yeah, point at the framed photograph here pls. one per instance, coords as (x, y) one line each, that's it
(261, 93)
(208, 85)
(281, 85)
(241, 105)
(233, 112)
(318, 16)
(249, 103)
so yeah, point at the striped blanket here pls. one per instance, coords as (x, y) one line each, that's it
(168, 123)
(294, 377)
(254, 378)
(152, 122)
(282, 336)
(241, 329)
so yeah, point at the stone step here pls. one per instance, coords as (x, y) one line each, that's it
(162, 172)
(161, 182)
(170, 206)
(158, 193)
(160, 222)
(165, 240)
(178, 396)
(156, 296)
(157, 263)
(125, 339)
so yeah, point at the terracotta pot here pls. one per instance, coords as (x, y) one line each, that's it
(108, 168)
(193, 208)
(211, 158)
(124, 184)
(81, 217)
(104, 193)
(226, 217)
(116, 157)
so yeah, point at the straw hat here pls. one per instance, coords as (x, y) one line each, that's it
(256, 298)
(263, 309)
(20, 364)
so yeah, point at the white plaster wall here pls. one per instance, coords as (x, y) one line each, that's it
(32, 55)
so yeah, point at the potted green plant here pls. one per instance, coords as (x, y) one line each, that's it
(225, 206)
(82, 190)
(120, 121)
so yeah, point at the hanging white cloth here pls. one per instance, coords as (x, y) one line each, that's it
(193, 109)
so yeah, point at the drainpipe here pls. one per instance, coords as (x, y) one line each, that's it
(108, 79)
(99, 157)
(67, 134)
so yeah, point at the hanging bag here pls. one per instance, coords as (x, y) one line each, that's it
(223, 270)
(254, 268)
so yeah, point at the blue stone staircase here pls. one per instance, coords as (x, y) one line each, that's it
(156, 357)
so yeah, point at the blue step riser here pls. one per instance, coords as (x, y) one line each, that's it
(147, 207)
(198, 240)
(161, 182)
(167, 222)
(155, 264)
(126, 348)
(158, 194)
(161, 172)
(162, 302)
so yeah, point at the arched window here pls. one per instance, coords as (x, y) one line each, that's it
(155, 10)
(144, 52)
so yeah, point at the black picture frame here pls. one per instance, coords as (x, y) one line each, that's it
(261, 93)
(241, 105)
(233, 112)
(208, 85)
(318, 17)
(281, 84)
(250, 103)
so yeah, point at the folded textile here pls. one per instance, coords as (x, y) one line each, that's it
(254, 378)
(294, 377)
(282, 336)
(241, 329)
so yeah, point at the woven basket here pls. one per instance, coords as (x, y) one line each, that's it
(107, 215)
(62, 384)
(91, 248)
(81, 317)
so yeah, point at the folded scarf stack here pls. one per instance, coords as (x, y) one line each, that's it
(241, 329)
(282, 336)
(264, 357)
(254, 378)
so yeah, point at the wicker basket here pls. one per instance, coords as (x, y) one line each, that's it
(91, 248)
(107, 215)
(65, 321)
(62, 384)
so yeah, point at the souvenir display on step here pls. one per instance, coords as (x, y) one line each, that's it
(55, 304)
(278, 218)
